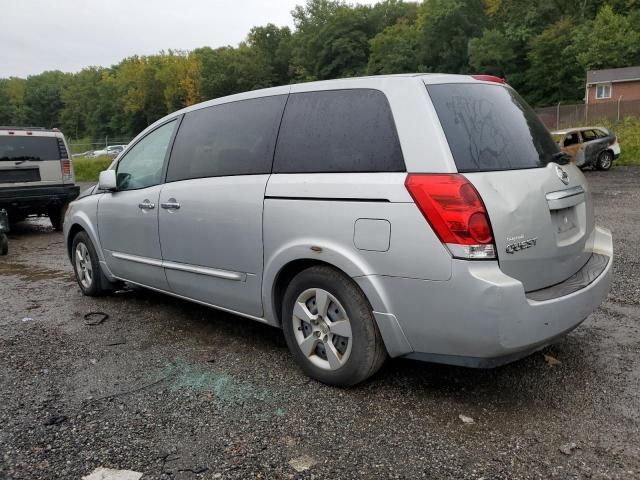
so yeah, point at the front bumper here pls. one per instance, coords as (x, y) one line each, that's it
(36, 197)
(482, 317)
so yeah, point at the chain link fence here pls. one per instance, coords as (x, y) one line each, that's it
(564, 116)
(87, 148)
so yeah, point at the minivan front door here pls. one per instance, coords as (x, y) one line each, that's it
(211, 205)
(128, 217)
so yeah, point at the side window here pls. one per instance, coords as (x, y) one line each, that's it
(588, 135)
(601, 134)
(141, 167)
(338, 131)
(236, 138)
(572, 139)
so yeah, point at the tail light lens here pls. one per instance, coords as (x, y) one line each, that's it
(455, 211)
(489, 78)
(67, 173)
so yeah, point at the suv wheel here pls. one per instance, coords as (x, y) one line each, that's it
(329, 327)
(87, 267)
(56, 216)
(4, 244)
(605, 160)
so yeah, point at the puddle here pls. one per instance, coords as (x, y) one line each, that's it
(31, 273)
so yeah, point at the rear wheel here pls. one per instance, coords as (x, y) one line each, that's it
(86, 266)
(329, 327)
(56, 216)
(605, 160)
(4, 244)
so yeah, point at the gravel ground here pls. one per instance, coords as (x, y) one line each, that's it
(179, 391)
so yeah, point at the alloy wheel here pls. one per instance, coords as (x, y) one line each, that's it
(84, 268)
(322, 329)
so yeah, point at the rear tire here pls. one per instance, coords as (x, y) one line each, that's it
(86, 266)
(605, 160)
(56, 216)
(330, 329)
(4, 244)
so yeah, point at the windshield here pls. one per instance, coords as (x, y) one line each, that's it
(21, 148)
(490, 127)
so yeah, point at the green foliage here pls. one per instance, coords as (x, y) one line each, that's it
(445, 27)
(394, 50)
(88, 169)
(554, 75)
(610, 40)
(492, 53)
(542, 48)
(628, 132)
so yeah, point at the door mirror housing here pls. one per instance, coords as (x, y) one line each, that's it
(107, 180)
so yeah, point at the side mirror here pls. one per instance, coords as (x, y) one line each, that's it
(107, 180)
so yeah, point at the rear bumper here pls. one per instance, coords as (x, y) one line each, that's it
(480, 317)
(29, 198)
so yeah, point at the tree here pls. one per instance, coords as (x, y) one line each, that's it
(43, 98)
(445, 27)
(554, 75)
(493, 53)
(228, 70)
(608, 41)
(275, 46)
(394, 50)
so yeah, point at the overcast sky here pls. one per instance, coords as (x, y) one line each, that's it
(67, 35)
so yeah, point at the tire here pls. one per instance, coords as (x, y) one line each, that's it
(332, 356)
(91, 280)
(56, 216)
(605, 160)
(4, 244)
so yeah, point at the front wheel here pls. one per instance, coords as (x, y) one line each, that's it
(87, 267)
(329, 327)
(605, 160)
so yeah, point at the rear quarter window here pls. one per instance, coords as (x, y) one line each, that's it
(20, 147)
(338, 131)
(490, 127)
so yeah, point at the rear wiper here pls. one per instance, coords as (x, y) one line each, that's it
(561, 158)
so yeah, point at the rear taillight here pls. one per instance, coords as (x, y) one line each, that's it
(455, 211)
(67, 173)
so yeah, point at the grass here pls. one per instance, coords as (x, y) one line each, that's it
(88, 169)
(628, 132)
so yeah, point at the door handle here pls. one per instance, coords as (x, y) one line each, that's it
(146, 205)
(170, 205)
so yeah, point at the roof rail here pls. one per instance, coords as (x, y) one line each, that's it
(22, 128)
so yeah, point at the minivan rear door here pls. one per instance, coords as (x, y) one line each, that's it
(30, 158)
(540, 212)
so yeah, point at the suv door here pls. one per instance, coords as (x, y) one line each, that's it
(594, 143)
(210, 220)
(573, 146)
(128, 217)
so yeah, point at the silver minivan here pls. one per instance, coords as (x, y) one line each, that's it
(422, 216)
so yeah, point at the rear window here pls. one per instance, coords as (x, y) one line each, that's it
(16, 148)
(338, 131)
(490, 127)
